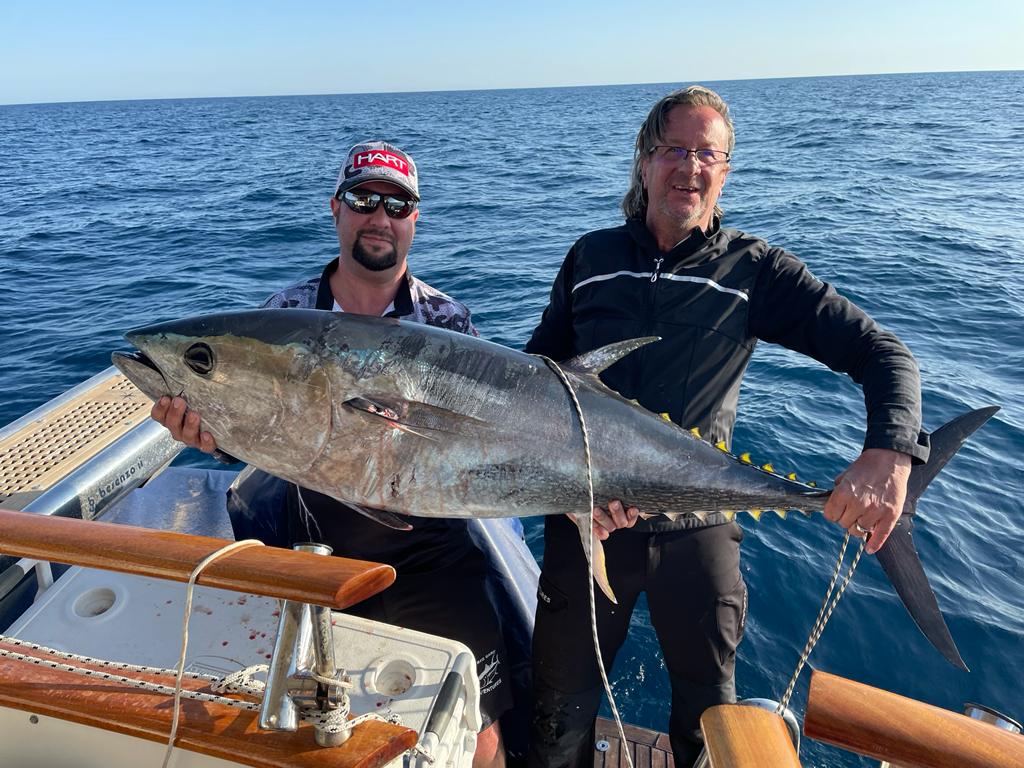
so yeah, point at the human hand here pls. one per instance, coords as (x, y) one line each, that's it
(613, 518)
(184, 425)
(869, 495)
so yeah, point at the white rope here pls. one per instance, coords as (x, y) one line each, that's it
(827, 606)
(238, 682)
(590, 520)
(189, 590)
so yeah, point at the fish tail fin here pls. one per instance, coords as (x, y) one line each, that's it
(596, 557)
(899, 558)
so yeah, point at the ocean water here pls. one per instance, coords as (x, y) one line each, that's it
(905, 191)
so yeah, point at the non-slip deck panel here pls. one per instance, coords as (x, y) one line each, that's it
(42, 452)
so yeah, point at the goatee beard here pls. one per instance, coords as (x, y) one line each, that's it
(377, 263)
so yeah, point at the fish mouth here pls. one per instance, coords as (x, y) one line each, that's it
(137, 357)
(142, 372)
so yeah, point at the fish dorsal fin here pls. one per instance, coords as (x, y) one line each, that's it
(596, 360)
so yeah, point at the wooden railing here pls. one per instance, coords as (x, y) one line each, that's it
(889, 727)
(331, 581)
(864, 720)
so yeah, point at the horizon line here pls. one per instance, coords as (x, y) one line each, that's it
(503, 88)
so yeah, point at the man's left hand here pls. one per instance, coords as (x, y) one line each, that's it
(869, 495)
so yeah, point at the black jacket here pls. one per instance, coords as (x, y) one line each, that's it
(710, 299)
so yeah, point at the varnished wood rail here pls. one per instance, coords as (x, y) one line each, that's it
(738, 736)
(886, 726)
(210, 728)
(331, 581)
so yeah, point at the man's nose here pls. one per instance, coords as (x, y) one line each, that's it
(689, 160)
(380, 218)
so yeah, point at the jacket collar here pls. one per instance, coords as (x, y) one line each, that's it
(689, 245)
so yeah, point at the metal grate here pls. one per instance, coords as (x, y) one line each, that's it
(50, 447)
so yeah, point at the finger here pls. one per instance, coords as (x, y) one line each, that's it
(206, 442)
(882, 528)
(633, 514)
(618, 514)
(159, 410)
(879, 535)
(190, 429)
(603, 521)
(175, 418)
(836, 506)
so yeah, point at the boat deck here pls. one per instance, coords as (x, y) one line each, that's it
(43, 450)
(649, 749)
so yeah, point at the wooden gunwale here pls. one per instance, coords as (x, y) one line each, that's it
(913, 734)
(331, 581)
(210, 728)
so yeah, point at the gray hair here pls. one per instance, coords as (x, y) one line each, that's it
(635, 202)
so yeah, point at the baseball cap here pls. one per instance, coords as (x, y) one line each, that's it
(378, 161)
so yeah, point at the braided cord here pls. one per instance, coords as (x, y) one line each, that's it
(590, 559)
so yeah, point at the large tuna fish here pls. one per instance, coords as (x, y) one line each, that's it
(397, 417)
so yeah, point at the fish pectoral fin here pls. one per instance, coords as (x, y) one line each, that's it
(585, 522)
(597, 360)
(413, 416)
(385, 518)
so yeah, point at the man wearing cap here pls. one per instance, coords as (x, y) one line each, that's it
(439, 587)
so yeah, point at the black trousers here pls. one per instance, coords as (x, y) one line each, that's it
(697, 601)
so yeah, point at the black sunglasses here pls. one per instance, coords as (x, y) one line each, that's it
(367, 202)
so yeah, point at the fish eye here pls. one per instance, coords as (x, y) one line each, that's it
(199, 357)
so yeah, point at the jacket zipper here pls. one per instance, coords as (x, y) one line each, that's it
(657, 267)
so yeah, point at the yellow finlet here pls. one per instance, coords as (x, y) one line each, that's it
(812, 484)
(695, 432)
(791, 476)
(782, 513)
(665, 416)
(755, 513)
(730, 515)
(745, 458)
(768, 467)
(720, 445)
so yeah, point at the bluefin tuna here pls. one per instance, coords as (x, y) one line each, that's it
(398, 418)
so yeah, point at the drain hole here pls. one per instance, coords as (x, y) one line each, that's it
(395, 677)
(95, 602)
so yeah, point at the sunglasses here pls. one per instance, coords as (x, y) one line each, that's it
(368, 202)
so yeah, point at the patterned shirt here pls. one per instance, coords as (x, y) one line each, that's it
(415, 301)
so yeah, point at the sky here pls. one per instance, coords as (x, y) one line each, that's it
(98, 50)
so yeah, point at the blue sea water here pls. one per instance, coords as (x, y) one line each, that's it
(905, 191)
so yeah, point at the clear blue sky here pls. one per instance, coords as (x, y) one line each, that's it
(71, 51)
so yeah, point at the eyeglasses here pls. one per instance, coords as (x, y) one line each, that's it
(679, 154)
(367, 202)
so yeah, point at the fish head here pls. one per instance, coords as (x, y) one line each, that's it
(256, 379)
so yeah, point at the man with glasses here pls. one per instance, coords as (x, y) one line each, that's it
(440, 585)
(710, 292)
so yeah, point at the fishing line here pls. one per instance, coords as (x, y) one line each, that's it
(306, 516)
(189, 590)
(590, 560)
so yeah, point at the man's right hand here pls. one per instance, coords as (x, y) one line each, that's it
(613, 518)
(184, 425)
